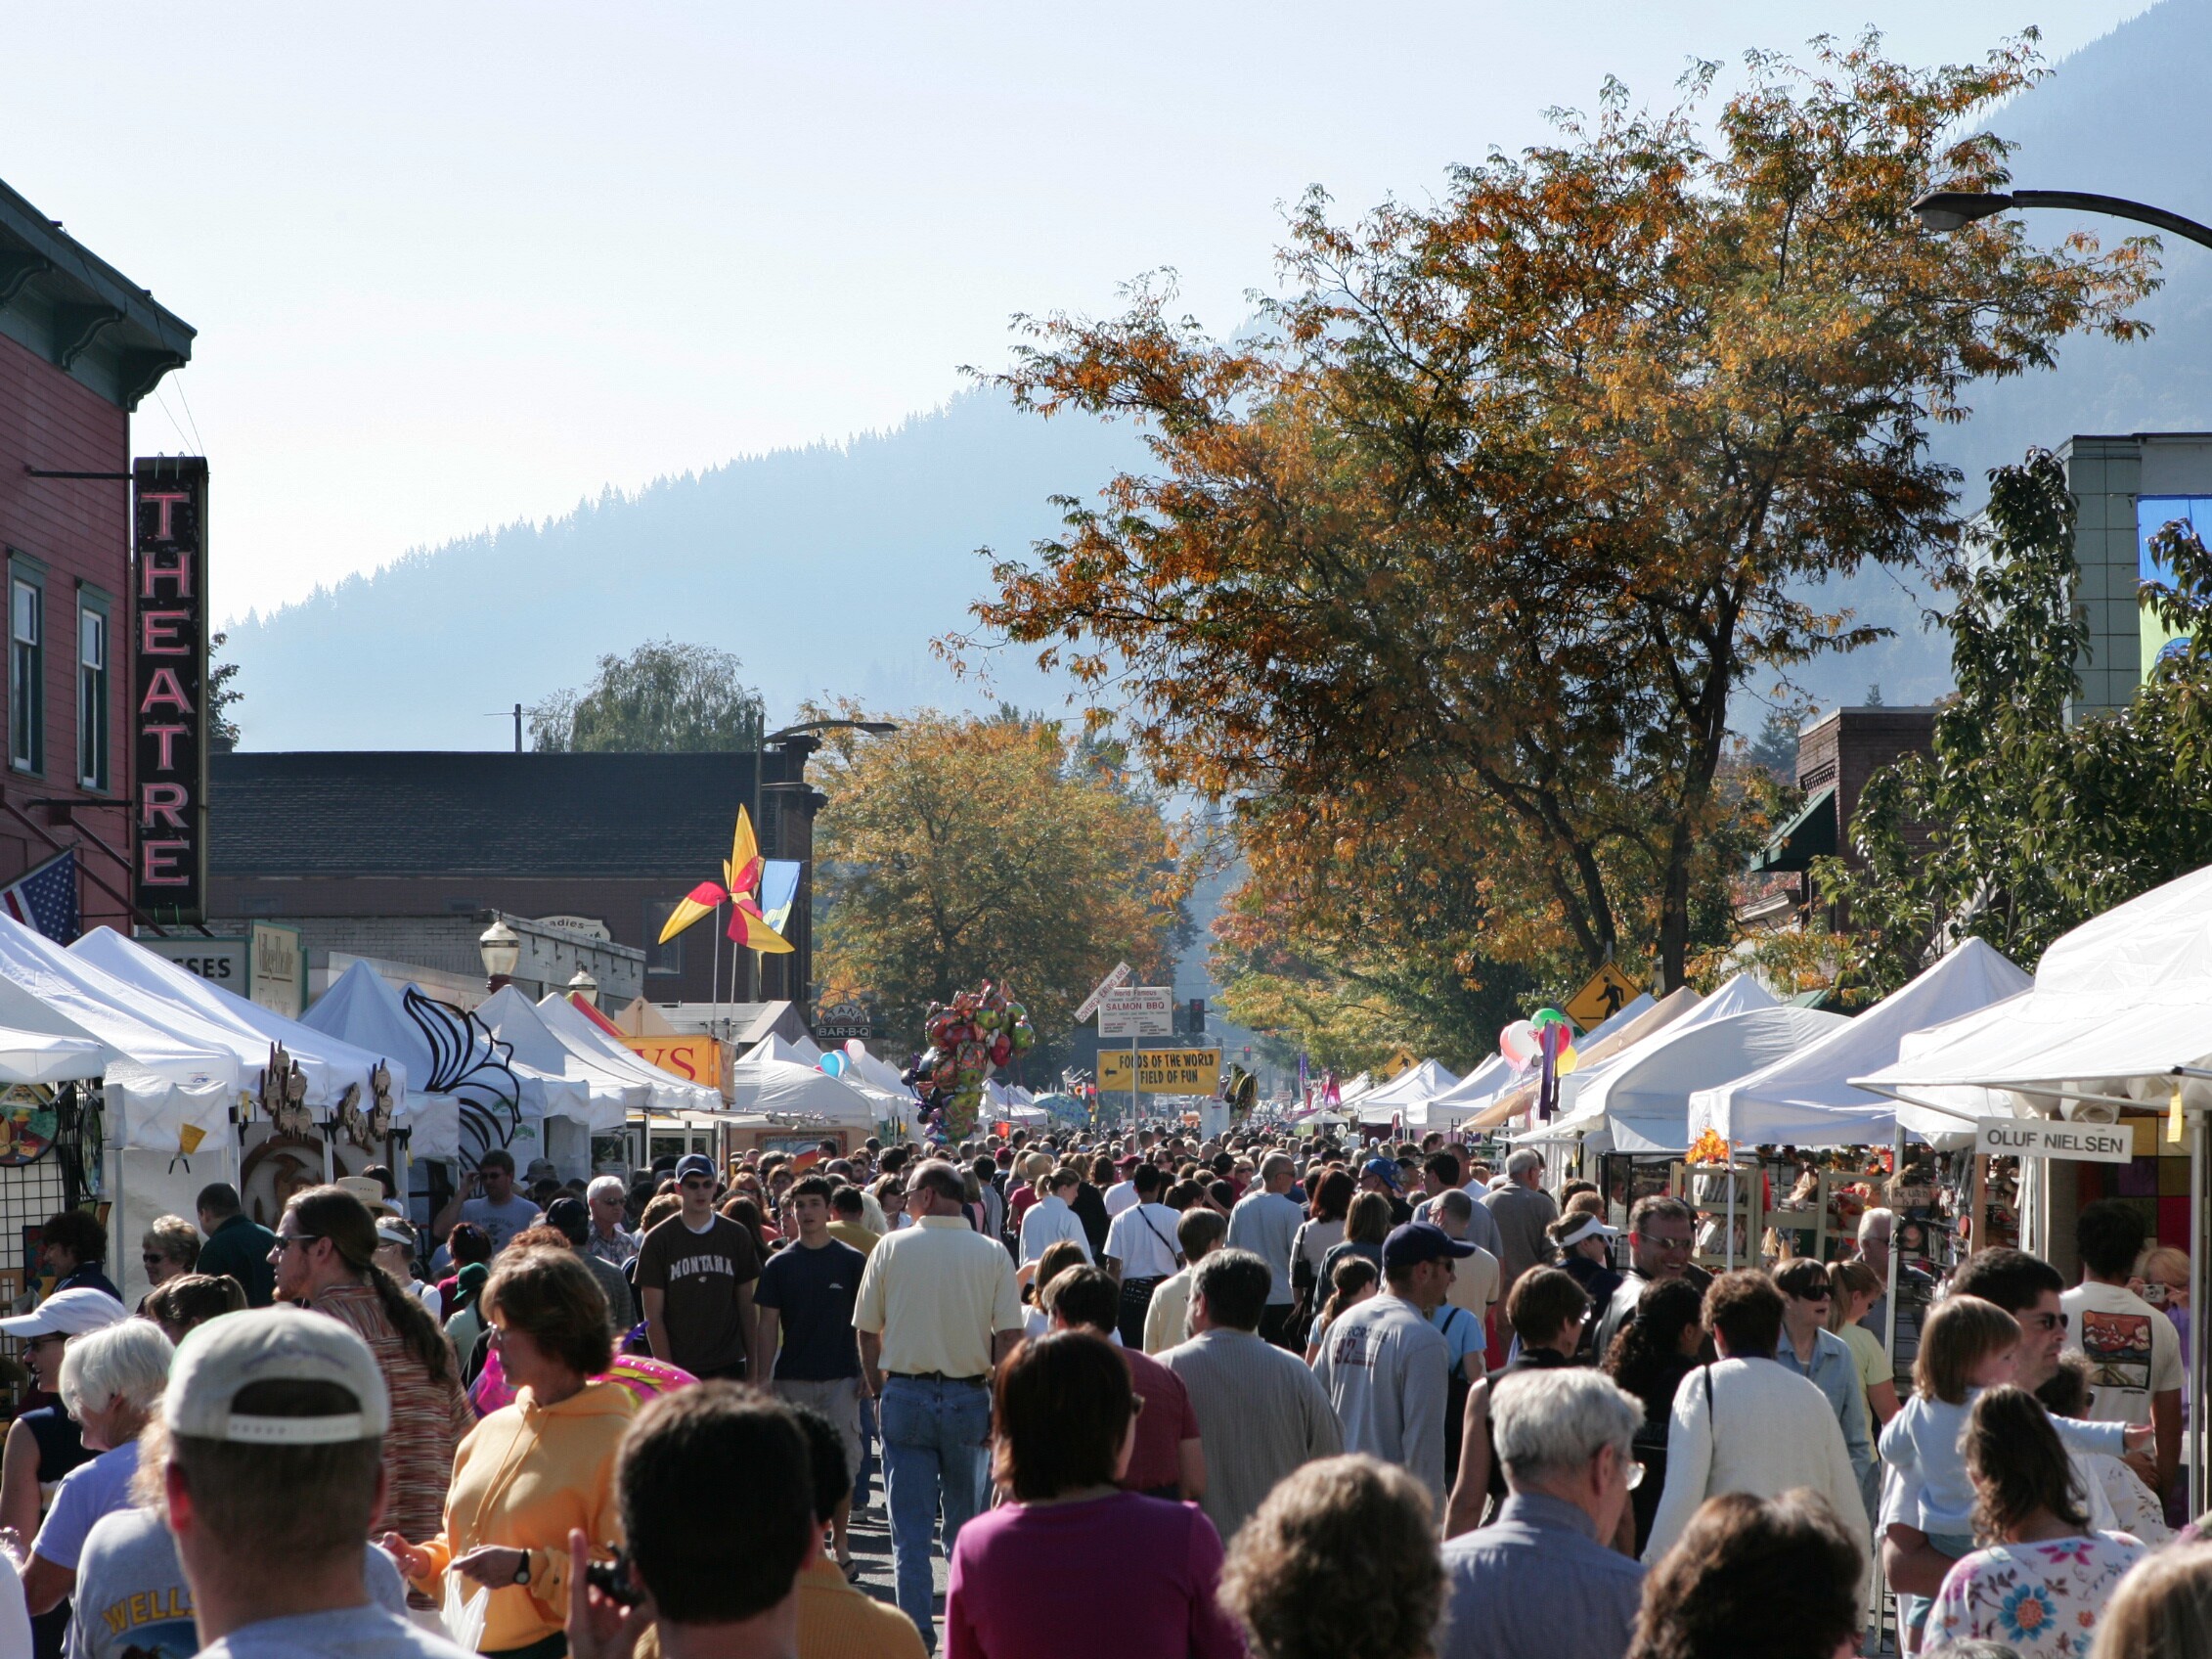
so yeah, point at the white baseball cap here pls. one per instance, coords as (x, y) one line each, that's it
(218, 1359)
(68, 1312)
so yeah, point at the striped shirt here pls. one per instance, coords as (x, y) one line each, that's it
(429, 1419)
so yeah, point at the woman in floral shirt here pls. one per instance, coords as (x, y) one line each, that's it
(2042, 1578)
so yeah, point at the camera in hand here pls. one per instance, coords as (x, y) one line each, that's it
(612, 1580)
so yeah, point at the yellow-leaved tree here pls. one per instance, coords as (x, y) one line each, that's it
(961, 848)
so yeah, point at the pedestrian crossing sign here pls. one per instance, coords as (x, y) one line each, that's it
(1609, 992)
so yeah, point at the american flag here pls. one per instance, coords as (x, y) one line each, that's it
(45, 899)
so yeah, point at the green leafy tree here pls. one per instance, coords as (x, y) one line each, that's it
(663, 698)
(2020, 824)
(223, 695)
(1492, 514)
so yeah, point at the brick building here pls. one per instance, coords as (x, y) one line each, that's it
(374, 853)
(1837, 754)
(79, 345)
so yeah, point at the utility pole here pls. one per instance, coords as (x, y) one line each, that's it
(518, 728)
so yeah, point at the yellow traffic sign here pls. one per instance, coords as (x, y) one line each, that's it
(1162, 1072)
(1609, 992)
(1399, 1063)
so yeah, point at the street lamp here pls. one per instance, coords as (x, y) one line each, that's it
(501, 947)
(584, 986)
(1954, 209)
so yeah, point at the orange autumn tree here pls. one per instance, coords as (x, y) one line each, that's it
(1494, 510)
(960, 849)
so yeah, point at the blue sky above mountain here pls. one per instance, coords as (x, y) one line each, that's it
(830, 568)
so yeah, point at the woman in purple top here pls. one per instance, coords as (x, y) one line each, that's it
(1143, 1570)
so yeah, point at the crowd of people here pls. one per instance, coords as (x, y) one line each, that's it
(1146, 1395)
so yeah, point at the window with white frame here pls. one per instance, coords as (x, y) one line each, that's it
(92, 696)
(27, 676)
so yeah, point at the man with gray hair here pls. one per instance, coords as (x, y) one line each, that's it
(1541, 1582)
(609, 1240)
(1915, 1291)
(1266, 1221)
(1522, 1210)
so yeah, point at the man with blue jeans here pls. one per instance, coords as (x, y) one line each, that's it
(938, 1309)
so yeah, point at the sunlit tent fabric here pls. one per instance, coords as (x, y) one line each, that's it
(36, 1057)
(466, 1094)
(585, 1041)
(1681, 1010)
(1415, 1083)
(160, 1080)
(1644, 1101)
(799, 1052)
(330, 1065)
(608, 1097)
(864, 1067)
(1495, 1075)
(2120, 1011)
(783, 1089)
(1593, 1053)
(1806, 1098)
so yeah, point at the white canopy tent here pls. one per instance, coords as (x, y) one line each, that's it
(330, 1063)
(573, 1029)
(1495, 1075)
(2119, 1016)
(601, 1099)
(783, 1089)
(34, 1056)
(163, 1076)
(2119, 1013)
(801, 1051)
(1806, 1098)
(864, 1067)
(1402, 1093)
(460, 1075)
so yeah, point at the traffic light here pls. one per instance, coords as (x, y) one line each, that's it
(1198, 1017)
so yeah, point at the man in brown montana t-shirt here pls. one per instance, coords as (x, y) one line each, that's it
(695, 1273)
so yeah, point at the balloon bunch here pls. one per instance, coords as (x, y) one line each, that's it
(1547, 1031)
(970, 1037)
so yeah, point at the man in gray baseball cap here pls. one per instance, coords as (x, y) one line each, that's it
(275, 1474)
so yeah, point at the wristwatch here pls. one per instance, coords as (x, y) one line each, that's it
(522, 1571)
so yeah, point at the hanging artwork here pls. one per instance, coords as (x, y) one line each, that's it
(27, 1124)
(470, 1064)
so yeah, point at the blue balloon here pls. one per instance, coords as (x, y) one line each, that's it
(834, 1063)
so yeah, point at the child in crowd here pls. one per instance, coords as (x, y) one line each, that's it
(1968, 1347)
(1351, 1283)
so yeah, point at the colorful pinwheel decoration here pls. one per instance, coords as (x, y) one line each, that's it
(739, 889)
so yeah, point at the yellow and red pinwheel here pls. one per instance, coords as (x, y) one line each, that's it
(739, 889)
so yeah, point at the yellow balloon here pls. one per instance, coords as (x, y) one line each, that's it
(1567, 1061)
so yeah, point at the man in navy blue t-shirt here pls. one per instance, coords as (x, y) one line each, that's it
(807, 1289)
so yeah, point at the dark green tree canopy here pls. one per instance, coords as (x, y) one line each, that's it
(663, 698)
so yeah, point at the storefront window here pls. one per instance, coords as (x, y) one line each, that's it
(26, 677)
(92, 696)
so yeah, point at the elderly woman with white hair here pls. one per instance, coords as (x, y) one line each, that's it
(111, 1381)
(1543, 1577)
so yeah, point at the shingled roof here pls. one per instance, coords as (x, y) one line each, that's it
(344, 813)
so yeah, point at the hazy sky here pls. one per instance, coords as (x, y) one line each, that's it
(456, 264)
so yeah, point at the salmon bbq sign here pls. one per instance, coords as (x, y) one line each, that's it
(169, 715)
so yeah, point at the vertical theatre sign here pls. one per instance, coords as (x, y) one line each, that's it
(169, 689)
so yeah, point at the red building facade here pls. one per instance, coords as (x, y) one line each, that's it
(79, 345)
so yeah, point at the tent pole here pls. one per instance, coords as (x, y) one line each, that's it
(1890, 1291)
(2197, 1471)
(1728, 1238)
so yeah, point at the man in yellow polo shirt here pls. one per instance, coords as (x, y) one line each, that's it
(937, 1310)
(837, 1621)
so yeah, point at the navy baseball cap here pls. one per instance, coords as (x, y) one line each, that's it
(694, 1163)
(1382, 1169)
(1419, 1242)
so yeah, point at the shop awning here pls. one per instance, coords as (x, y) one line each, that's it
(1809, 833)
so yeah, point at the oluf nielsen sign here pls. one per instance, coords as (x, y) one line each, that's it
(2049, 1138)
(169, 688)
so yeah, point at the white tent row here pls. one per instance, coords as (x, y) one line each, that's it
(1806, 1098)
(594, 1095)
(1495, 1075)
(787, 1089)
(590, 1043)
(2119, 1016)
(1404, 1092)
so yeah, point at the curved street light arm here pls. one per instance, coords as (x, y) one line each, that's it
(2118, 208)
